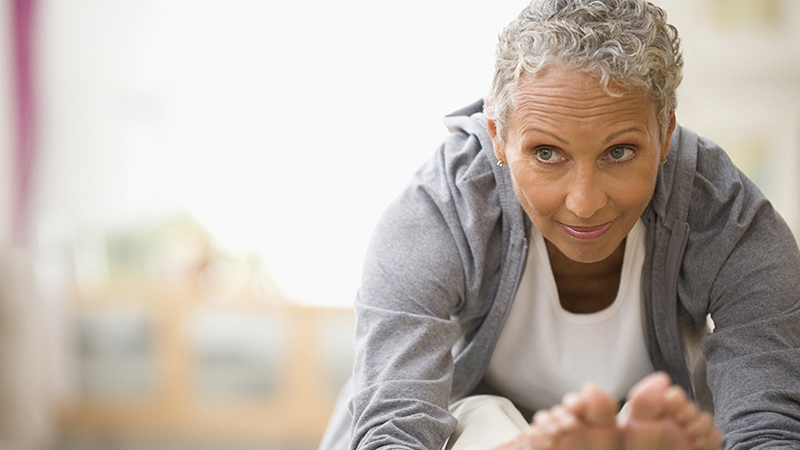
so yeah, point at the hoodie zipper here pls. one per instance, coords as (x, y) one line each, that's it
(675, 250)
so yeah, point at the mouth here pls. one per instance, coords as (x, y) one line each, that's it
(586, 233)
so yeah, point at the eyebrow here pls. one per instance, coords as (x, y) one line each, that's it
(613, 136)
(608, 139)
(539, 130)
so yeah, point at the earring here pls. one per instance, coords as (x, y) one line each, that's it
(500, 163)
(664, 160)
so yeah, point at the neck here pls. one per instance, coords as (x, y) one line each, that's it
(586, 287)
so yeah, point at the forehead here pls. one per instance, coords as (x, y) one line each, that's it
(566, 96)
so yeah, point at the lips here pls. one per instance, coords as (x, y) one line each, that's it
(586, 233)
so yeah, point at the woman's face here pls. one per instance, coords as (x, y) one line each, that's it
(583, 164)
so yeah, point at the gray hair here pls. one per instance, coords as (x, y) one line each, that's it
(624, 42)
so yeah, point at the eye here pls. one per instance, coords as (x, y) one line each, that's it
(621, 153)
(547, 155)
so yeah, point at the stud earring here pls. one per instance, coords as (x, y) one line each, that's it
(664, 160)
(500, 163)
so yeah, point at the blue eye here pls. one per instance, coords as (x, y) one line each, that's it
(620, 153)
(547, 154)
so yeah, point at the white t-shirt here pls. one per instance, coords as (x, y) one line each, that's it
(545, 351)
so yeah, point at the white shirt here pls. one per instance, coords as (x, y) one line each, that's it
(545, 351)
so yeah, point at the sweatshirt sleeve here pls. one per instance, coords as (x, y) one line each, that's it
(419, 270)
(752, 270)
(403, 369)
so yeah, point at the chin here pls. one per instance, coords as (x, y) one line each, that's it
(588, 259)
(586, 256)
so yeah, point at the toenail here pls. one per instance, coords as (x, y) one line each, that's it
(571, 399)
(675, 390)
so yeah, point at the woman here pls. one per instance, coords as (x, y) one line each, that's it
(573, 232)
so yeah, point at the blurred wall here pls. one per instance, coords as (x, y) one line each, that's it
(741, 87)
(285, 128)
(6, 122)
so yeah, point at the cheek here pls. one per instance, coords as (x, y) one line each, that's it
(538, 196)
(636, 192)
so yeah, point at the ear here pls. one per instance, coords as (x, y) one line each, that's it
(668, 138)
(499, 150)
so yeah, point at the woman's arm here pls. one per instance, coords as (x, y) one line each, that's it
(422, 266)
(746, 263)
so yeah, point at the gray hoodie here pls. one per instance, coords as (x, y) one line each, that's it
(445, 260)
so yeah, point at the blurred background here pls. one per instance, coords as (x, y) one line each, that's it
(187, 188)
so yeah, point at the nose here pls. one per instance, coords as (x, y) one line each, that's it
(586, 195)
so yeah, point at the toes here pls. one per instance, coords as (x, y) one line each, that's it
(675, 399)
(600, 409)
(549, 427)
(713, 441)
(555, 421)
(701, 428)
(537, 439)
(548, 421)
(686, 413)
(659, 415)
(591, 405)
(566, 420)
(573, 402)
(648, 398)
(658, 381)
(565, 427)
(541, 417)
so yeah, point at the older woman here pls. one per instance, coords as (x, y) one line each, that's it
(569, 231)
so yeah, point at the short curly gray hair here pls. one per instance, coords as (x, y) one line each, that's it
(625, 42)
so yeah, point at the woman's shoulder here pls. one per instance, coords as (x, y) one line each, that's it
(437, 231)
(729, 217)
(461, 180)
(736, 240)
(701, 185)
(722, 195)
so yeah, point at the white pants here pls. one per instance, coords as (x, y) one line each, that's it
(484, 422)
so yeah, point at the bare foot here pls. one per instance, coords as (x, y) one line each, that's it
(659, 416)
(584, 420)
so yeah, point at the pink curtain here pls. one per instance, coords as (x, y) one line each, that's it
(25, 133)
